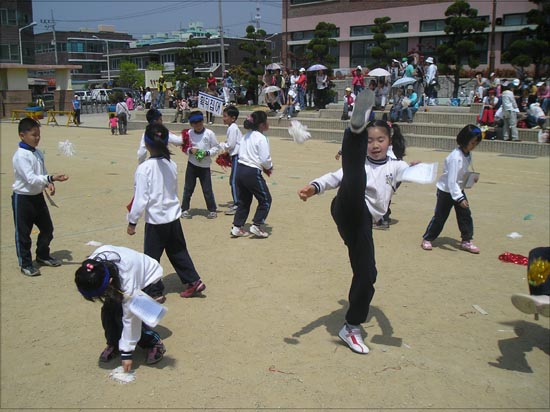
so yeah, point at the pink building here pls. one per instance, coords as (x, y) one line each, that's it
(417, 25)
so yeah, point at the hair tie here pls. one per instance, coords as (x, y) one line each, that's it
(390, 124)
(250, 118)
(89, 267)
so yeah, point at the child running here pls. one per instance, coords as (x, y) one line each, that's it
(203, 146)
(114, 274)
(254, 157)
(231, 145)
(365, 185)
(156, 188)
(28, 203)
(450, 191)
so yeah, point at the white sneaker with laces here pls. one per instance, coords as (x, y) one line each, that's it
(256, 231)
(238, 232)
(351, 335)
(361, 111)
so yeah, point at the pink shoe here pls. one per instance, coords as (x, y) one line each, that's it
(193, 289)
(469, 246)
(426, 245)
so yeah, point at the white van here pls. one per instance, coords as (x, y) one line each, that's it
(100, 95)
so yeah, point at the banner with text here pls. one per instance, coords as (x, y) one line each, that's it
(211, 103)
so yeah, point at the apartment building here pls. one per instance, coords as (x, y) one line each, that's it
(417, 24)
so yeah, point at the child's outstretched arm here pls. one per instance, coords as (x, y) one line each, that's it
(56, 178)
(306, 192)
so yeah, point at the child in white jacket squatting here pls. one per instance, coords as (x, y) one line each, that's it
(365, 185)
(113, 274)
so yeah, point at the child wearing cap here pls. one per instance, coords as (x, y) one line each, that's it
(349, 101)
(203, 145)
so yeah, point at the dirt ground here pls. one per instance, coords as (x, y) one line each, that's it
(264, 334)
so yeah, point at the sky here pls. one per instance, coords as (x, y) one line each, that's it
(139, 17)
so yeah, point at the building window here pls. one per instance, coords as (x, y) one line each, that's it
(515, 20)
(302, 35)
(168, 58)
(8, 17)
(360, 54)
(428, 47)
(401, 27)
(298, 2)
(432, 25)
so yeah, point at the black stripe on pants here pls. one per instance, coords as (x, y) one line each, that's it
(29, 210)
(250, 182)
(354, 222)
(443, 207)
(169, 237)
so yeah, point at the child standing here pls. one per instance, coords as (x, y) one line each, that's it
(113, 275)
(450, 192)
(156, 188)
(365, 185)
(28, 203)
(203, 146)
(254, 157)
(113, 123)
(76, 110)
(231, 145)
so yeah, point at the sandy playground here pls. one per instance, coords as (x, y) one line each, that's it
(264, 334)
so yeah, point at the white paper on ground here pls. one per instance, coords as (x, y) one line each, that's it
(94, 243)
(423, 173)
(514, 235)
(118, 375)
(146, 308)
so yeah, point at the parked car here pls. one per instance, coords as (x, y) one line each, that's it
(100, 95)
(84, 96)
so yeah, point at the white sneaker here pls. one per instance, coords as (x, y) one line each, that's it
(238, 232)
(255, 230)
(531, 304)
(361, 111)
(351, 335)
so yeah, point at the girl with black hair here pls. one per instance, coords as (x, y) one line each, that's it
(112, 275)
(365, 186)
(254, 157)
(155, 196)
(450, 191)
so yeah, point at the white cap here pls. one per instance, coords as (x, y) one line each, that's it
(302, 69)
(515, 82)
(429, 60)
(348, 89)
(492, 74)
(410, 87)
(359, 68)
(497, 81)
(540, 84)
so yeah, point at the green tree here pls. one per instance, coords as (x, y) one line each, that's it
(385, 49)
(130, 76)
(533, 44)
(463, 29)
(257, 56)
(187, 59)
(318, 48)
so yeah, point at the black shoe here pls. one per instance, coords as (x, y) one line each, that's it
(30, 271)
(48, 262)
(361, 111)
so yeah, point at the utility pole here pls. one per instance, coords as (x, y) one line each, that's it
(492, 39)
(50, 24)
(222, 46)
